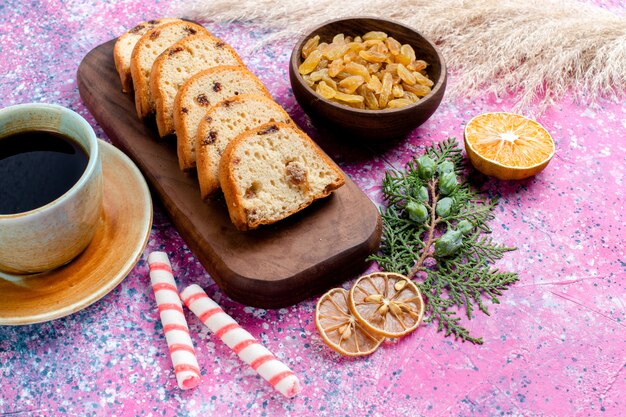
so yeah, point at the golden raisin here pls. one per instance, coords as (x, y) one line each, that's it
(335, 51)
(372, 56)
(351, 83)
(331, 83)
(357, 104)
(385, 92)
(417, 65)
(350, 56)
(322, 64)
(406, 75)
(418, 89)
(307, 79)
(393, 45)
(357, 69)
(422, 79)
(411, 96)
(310, 45)
(349, 98)
(374, 68)
(397, 91)
(370, 98)
(375, 35)
(374, 71)
(335, 67)
(371, 43)
(317, 75)
(339, 39)
(397, 103)
(382, 49)
(392, 68)
(356, 46)
(325, 91)
(374, 84)
(407, 50)
(310, 62)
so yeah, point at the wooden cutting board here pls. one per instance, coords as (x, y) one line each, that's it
(274, 266)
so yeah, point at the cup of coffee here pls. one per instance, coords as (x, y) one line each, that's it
(50, 187)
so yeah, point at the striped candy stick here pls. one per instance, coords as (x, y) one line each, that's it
(240, 341)
(174, 324)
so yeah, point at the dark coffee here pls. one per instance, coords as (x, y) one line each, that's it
(37, 167)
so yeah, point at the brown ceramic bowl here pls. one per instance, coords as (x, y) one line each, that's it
(370, 125)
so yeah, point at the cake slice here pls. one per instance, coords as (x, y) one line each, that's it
(145, 53)
(124, 46)
(177, 64)
(272, 172)
(223, 123)
(198, 94)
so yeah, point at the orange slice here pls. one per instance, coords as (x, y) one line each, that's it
(387, 304)
(339, 328)
(507, 146)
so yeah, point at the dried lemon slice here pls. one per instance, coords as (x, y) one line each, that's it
(387, 304)
(340, 329)
(507, 146)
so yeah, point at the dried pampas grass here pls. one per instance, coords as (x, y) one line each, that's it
(538, 50)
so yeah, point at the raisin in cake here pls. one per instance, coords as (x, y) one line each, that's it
(272, 172)
(124, 46)
(179, 63)
(223, 123)
(198, 94)
(146, 52)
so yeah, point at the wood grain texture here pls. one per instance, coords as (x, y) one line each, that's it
(374, 126)
(275, 266)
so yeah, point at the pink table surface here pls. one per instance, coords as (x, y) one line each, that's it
(555, 346)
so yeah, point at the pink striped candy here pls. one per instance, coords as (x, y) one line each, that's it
(174, 324)
(241, 342)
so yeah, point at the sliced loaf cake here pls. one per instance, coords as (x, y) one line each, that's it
(179, 63)
(146, 52)
(272, 172)
(198, 94)
(223, 123)
(124, 46)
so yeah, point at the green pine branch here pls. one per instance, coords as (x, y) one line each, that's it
(442, 311)
(480, 247)
(447, 150)
(434, 232)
